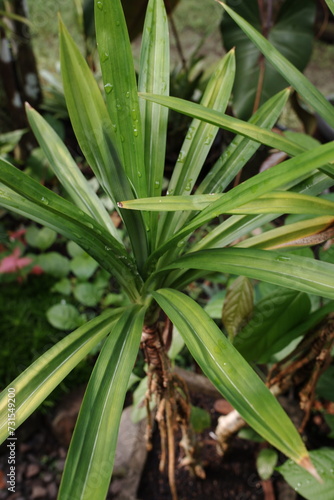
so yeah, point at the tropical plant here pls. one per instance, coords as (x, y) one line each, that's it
(123, 139)
(289, 26)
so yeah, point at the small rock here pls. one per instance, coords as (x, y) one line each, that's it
(52, 490)
(32, 470)
(38, 492)
(62, 453)
(47, 477)
(24, 447)
(59, 464)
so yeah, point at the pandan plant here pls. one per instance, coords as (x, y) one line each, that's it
(122, 135)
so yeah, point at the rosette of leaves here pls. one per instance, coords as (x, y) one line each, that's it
(123, 138)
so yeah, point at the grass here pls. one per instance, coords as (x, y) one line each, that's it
(25, 331)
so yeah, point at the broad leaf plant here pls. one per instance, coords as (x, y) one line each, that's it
(122, 134)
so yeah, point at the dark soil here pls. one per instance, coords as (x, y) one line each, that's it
(231, 477)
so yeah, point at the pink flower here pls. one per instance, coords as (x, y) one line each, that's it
(13, 263)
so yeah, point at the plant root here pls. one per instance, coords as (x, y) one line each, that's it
(172, 402)
(302, 367)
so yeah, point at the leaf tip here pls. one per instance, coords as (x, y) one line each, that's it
(306, 463)
(221, 3)
(120, 204)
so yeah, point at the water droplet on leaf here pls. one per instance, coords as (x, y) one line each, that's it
(104, 57)
(108, 88)
(282, 258)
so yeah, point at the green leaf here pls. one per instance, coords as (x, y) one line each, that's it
(67, 171)
(329, 419)
(215, 305)
(236, 227)
(83, 266)
(55, 264)
(307, 486)
(40, 238)
(88, 294)
(27, 197)
(327, 255)
(325, 385)
(9, 140)
(276, 202)
(139, 410)
(176, 345)
(42, 376)
(238, 305)
(63, 286)
(241, 149)
(307, 232)
(200, 419)
(265, 182)
(74, 250)
(330, 4)
(200, 135)
(226, 122)
(230, 373)
(90, 458)
(273, 317)
(291, 32)
(249, 434)
(113, 299)
(298, 273)
(95, 133)
(198, 142)
(266, 462)
(121, 90)
(301, 84)
(154, 77)
(64, 317)
(277, 350)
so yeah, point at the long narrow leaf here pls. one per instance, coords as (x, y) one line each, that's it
(154, 77)
(246, 129)
(67, 171)
(303, 233)
(237, 226)
(96, 135)
(121, 89)
(89, 463)
(231, 374)
(330, 4)
(299, 273)
(201, 135)
(255, 187)
(311, 95)
(276, 202)
(241, 149)
(41, 377)
(198, 141)
(36, 202)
